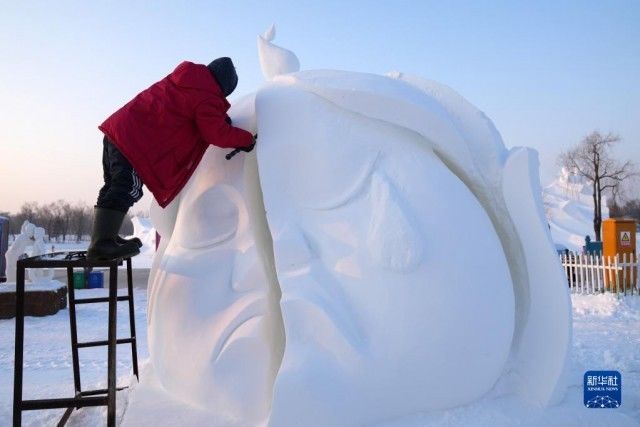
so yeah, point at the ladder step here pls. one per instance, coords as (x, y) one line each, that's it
(100, 343)
(30, 405)
(94, 300)
(97, 392)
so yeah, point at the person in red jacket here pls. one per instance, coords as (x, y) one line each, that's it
(158, 138)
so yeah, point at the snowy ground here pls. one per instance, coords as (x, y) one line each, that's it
(606, 336)
(606, 332)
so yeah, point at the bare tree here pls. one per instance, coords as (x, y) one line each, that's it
(59, 218)
(630, 208)
(52, 217)
(591, 159)
(80, 221)
(65, 210)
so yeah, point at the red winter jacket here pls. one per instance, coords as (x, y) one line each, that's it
(165, 130)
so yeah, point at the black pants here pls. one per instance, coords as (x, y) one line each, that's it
(122, 186)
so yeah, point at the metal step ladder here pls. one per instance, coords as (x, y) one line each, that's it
(102, 397)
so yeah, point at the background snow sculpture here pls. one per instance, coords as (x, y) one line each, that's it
(39, 275)
(17, 248)
(568, 202)
(144, 230)
(364, 279)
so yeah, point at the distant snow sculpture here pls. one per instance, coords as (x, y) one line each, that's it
(18, 248)
(30, 236)
(335, 279)
(39, 275)
(568, 204)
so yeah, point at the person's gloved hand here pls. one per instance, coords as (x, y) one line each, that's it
(250, 147)
(247, 149)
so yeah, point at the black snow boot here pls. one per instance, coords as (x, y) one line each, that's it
(104, 246)
(135, 240)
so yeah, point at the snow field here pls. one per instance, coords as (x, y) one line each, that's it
(606, 336)
(48, 371)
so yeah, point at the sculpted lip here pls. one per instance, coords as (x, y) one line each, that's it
(255, 309)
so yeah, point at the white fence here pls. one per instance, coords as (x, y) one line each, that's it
(590, 274)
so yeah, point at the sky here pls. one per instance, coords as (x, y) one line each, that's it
(546, 72)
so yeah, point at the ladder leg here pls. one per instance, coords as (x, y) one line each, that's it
(73, 329)
(132, 320)
(19, 348)
(111, 352)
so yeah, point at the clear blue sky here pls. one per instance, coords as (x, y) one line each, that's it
(546, 72)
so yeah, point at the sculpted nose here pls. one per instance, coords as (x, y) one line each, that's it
(393, 239)
(293, 251)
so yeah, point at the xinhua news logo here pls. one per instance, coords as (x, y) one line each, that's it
(602, 389)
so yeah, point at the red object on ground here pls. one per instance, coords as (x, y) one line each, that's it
(165, 130)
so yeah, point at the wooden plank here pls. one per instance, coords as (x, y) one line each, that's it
(617, 272)
(624, 272)
(601, 282)
(592, 278)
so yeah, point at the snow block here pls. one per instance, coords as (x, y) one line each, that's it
(542, 347)
(384, 298)
(332, 276)
(39, 300)
(213, 329)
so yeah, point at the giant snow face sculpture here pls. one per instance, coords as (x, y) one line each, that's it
(376, 306)
(367, 264)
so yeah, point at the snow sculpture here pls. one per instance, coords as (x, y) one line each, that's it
(568, 203)
(18, 248)
(212, 294)
(39, 275)
(359, 289)
(143, 229)
(375, 305)
(275, 60)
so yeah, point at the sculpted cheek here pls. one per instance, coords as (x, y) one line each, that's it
(210, 218)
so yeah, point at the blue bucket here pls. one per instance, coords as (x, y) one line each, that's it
(96, 280)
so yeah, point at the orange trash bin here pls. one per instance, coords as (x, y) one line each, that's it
(619, 239)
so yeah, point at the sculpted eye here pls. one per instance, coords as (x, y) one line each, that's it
(347, 189)
(317, 157)
(328, 179)
(208, 219)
